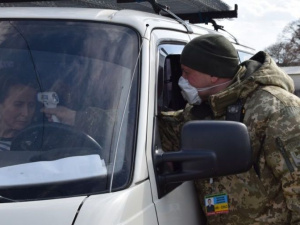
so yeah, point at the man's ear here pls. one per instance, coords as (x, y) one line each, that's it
(214, 79)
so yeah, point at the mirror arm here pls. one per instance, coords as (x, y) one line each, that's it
(174, 178)
(182, 156)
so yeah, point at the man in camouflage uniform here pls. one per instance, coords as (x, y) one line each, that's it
(269, 193)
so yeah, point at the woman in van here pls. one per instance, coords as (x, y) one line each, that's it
(17, 107)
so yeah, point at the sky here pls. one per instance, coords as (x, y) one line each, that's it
(260, 22)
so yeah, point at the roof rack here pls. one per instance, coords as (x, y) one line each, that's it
(159, 7)
(220, 11)
(196, 11)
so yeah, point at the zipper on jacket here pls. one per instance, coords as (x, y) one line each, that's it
(284, 154)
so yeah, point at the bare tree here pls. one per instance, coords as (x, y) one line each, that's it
(286, 52)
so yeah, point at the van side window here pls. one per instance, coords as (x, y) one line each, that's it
(169, 71)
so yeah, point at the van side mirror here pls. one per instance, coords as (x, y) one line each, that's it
(208, 149)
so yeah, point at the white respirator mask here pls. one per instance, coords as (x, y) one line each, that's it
(190, 93)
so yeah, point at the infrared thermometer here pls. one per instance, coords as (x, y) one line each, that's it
(50, 100)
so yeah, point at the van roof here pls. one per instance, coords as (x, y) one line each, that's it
(139, 20)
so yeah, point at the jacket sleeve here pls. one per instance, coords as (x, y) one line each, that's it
(282, 149)
(170, 124)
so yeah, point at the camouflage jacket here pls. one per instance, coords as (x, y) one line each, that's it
(269, 193)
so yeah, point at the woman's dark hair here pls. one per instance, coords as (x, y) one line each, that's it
(8, 81)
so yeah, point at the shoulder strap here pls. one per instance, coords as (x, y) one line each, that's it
(236, 112)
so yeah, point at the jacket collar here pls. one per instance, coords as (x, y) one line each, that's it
(241, 88)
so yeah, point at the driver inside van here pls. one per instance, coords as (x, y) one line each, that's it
(17, 108)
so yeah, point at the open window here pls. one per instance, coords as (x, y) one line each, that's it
(169, 71)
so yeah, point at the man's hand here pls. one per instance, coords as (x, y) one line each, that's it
(65, 115)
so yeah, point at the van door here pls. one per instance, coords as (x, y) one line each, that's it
(179, 204)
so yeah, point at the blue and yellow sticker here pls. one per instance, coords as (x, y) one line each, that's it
(216, 204)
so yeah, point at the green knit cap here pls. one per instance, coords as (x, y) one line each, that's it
(212, 54)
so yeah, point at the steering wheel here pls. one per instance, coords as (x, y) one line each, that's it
(49, 136)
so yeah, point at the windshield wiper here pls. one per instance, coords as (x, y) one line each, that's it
(4, 199)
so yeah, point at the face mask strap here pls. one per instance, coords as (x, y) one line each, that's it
(217, 85)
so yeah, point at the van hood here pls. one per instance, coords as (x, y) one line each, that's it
(48, 212)
(128, 207)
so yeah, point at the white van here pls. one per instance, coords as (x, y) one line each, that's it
(115, 71)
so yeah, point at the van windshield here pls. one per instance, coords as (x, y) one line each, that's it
(68, 100)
